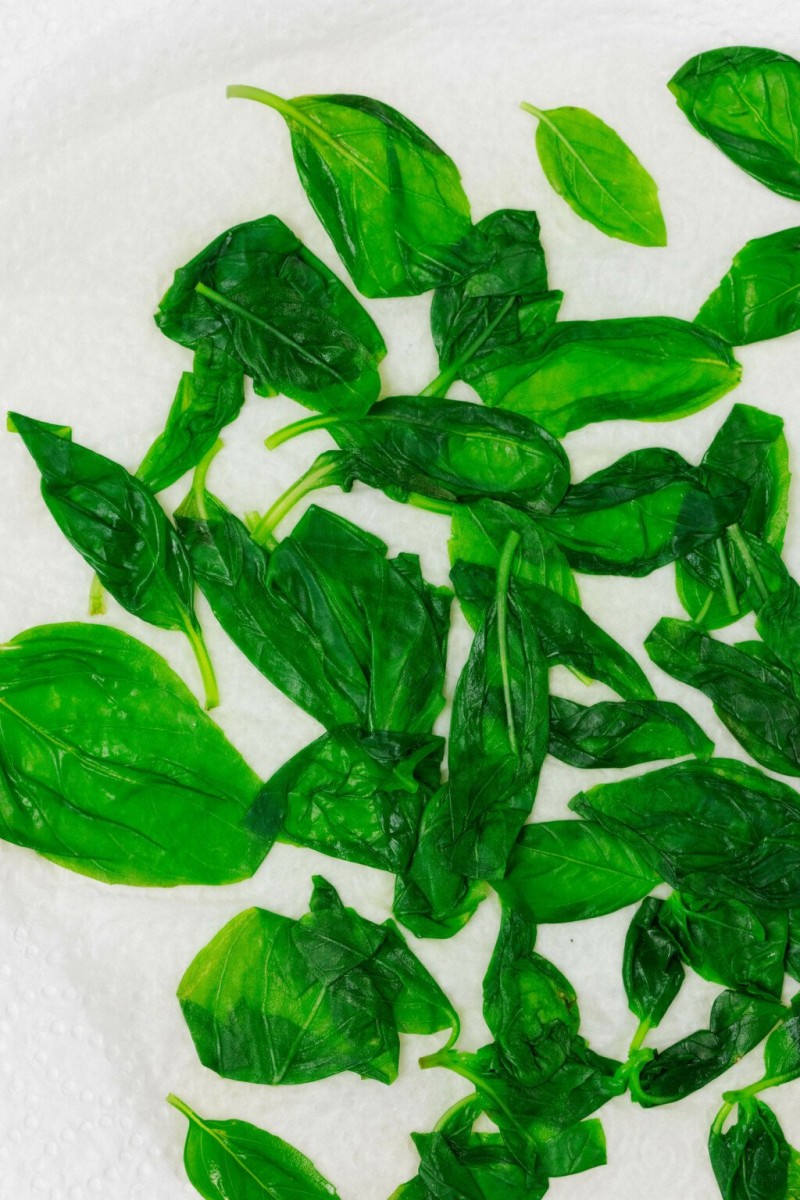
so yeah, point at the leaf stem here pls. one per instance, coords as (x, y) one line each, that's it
(501, 600)
(721, 1117)
(294, 430)
(749, 562)
(727, 577)
(454, 1110)
(199, 479)
(97, 597)
(204, 663)
(318, 475)
(430, 504)
(639, 1036)
(181, 1106)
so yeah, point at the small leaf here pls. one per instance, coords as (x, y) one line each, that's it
(759, 298)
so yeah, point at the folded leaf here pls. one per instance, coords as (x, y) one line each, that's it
(623, 733)
(747, 101)
(572, 870)
(272, 1000)
(782, 1049)
(751, 1159)
(111, 769)
(636, 368)
(391, 201)
(257, 294)
(652, 971)
(588, 163)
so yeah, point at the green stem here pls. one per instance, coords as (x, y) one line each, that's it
(727, 577)
(199, 479)
(440, 385)
(430, 504)
(749, 561)
(181, 1106)
(501, 598)
(204, 663)
(638, 1038)
(317, 476)
(292, 431)
(721, 1117)
(97, 597)
(454, 1110)
(744, 1094)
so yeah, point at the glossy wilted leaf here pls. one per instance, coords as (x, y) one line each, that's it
(652, 971)
(751, 1159)
(782, 1049)
(623, 733)
(759, 298)
(391, 201)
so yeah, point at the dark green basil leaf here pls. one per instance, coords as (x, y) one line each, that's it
(353, 638)
(623, 733)
(572, 870)
(750, 446)
(208, 398)
(433, 899)
(778, 621)
(652, 971)
(576, 1149)
(737, 1024)
(111, 769)
(233, 1160)
(260, 296)
(391, 201)
(577, 372)
(498, 734)
(478, 533)
(567, 634)
(502, 294)
(117, 525)
(758, 298)
(751, 1159)
(793, 947)
(752, 697)
(272, 1000)
(719, 829)
(588, 163)
(743, 947)
(355, 795)
(782, 1051)
(643, 511)
(747, 101)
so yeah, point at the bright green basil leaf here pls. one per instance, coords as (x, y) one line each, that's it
(636, 368)
(272, 1000)
(117, 525)
(746, 100)
(750, 446)
(355, 795)
(353, 638)
(588, 163)
(208, 398)
(478, 533)
(759, 298)
(572, 870)
(752, 697)
(743, 947)
(567, 635)
(391, 201)
(652, 971)
(782, 1051)
(737, 1024)
(432, 898)
(642, 512)
(751, 1159)
(623, 733)
(719, 829)
(234, 1160)
(111, 769)
(578, 1148)
(260, 296)
(502, 294)
(498, 735)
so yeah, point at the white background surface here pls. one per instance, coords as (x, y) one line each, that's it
(122, 158)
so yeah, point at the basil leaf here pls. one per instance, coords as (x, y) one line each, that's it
(112, 770)
(758, 298)
(793, 947)
(782, 1050)
(753, 698)
(750, 446)
(718, 829)
(117, 525)
(390, 200)
(652, 971)
(478, 533)
(260, 296)
(432, 898)
(498, 734)
(623, 734)
(587, 163)
(272, 1000)
(208, 398)
(751, 1159)
(741, 946)
(501, 295)
(747, 101)
(642, 512)
(355, 795)
(576, 1149)
(323, 616)
(636, 368)
(737, 1024)
(234, 1160)
(572, 870)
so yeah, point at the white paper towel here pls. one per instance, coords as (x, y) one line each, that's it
(122, 158)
